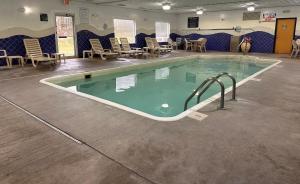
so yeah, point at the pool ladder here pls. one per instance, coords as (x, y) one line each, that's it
(207, 84)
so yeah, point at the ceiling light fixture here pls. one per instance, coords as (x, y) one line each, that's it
(166, 6)
(199, 12)
(251, 8)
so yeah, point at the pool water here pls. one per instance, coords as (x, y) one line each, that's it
(162, 90)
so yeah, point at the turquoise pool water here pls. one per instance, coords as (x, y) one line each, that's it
(162, 90)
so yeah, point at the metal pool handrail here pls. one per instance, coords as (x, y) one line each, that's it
(233, 83)
(207, 84)
(219, 76)
(212, 81)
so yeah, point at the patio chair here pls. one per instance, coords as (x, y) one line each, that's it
(98, 50)
(202, 44)
(296, 49)
(35, 54)
(126, 47)
(187, 45)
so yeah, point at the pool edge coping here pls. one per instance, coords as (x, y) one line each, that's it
(153, 63)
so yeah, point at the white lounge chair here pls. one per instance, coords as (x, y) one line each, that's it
(117, 48)
(126, 47)
(172, 44)
(35, 54)
(150, 47)
(296, 49)
(163, 48)
(98, 49)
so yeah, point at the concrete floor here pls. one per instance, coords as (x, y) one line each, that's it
(254, 140)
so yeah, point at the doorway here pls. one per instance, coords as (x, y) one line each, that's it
(65, 39)
(284, 34)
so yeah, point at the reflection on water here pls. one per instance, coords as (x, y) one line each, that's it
(125, 82)
(190, 77)
(162, 73)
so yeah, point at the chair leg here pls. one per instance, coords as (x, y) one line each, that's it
(22, 61)
(8, 62)
(292, 54)
(33, 63)
(102, 57)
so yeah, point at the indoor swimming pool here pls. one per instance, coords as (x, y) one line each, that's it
(159, 89)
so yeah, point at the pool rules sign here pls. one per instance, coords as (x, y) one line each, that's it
(268, 16)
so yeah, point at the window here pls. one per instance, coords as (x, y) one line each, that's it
(125, 29)
(162, 30)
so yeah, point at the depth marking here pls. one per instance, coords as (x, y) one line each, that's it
(197, 116)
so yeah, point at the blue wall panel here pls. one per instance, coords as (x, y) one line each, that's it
(14, 45)
(216, 42)
(261, 42)
(48, 44)
(140, 39)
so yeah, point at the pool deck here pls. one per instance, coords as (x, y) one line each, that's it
(254, 140)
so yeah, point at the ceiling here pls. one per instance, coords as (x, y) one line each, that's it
(184, 6)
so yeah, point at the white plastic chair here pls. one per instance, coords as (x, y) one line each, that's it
(296, 49)
(187, 44)
(3, 55)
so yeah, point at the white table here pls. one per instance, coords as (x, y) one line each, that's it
(20, 59)
(89, 53)
(195, 43)
(59, 56)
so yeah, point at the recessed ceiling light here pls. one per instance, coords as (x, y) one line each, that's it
(166, 6)
(27, 10)
(251, 8)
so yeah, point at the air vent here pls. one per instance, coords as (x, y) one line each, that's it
(251, 16)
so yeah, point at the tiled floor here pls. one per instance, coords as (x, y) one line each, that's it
(255, 140)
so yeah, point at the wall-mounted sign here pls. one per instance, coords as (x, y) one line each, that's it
(268, 16)
(193, 22)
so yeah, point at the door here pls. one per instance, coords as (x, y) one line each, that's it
(65, 40)
(285, 32)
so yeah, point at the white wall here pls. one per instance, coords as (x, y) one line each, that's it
(212, 20)
(14, 22)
